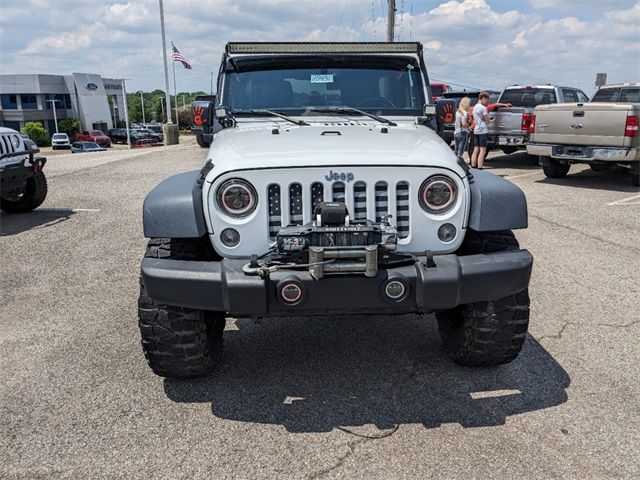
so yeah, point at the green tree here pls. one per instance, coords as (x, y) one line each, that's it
(70, 126)
(37, 133)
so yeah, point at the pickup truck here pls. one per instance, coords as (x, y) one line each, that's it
(601, 133)
(96, 136)
(509, 126)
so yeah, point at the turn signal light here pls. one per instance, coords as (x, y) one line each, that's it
(532, 124)
(631, 126)
(526, 122)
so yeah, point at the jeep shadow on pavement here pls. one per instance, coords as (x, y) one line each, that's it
(320, 374)
(327, 191)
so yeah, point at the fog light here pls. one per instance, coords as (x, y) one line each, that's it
(395, 290)
(230, 237)
(446, 232)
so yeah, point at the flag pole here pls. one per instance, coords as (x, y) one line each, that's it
(175, 90)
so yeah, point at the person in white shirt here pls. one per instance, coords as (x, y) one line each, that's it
(462, 126)
(480, 133)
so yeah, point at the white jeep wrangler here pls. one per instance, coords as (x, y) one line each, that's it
(327, 191)
(23, 185)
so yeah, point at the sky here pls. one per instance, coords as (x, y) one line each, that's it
(468, 43)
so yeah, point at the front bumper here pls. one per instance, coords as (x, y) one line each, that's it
(584, 153)
(451, 280)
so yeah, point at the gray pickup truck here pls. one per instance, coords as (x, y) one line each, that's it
(510, 126)
(601, 133)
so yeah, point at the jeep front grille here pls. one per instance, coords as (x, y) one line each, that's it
(364, 201)
(5, 145)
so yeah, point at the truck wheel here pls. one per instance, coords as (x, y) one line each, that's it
(486, 333)
(35, 191)
(201, 141)
(178, 342)
(554, 169)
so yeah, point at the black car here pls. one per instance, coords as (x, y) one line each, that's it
(119, 135)
(150, 134)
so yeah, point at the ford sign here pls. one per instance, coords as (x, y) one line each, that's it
(92, 86)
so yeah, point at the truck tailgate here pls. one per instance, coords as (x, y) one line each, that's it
(506, 121)
(593, 124)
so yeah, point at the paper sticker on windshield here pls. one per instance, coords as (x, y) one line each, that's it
(327, 78)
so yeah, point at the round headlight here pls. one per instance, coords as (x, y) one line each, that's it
(438, 194)
(15, 140)
(237, 198)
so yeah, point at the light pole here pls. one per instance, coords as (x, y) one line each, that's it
(142, 101)
(164, 59)
(126, 111)
(162, 106)
(55, 117)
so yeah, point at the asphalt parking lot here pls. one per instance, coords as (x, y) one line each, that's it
(313, 398)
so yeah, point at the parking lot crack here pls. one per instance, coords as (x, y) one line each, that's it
(351, 446)
(593, 237)
(625, 325)
(558, 335)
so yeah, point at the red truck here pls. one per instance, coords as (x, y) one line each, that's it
(438, 89)
(94, 136)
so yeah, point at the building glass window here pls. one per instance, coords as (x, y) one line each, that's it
(63, 101)
(29, 102)
(11, 124)
(9, 102)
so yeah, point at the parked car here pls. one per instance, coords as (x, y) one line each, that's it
(95, 136)
(60, 140)
(23, 185)
(84, 147)
(329, 208)
(153, 127)
(146, 133)
(438, 89)
(509, 126)
(601, 133)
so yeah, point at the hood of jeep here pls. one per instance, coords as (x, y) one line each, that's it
(258, 146)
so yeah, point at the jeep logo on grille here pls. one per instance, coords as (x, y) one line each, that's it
(335, 176)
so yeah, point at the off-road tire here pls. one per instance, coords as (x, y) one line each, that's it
(555, 169)
(178, 342)
(491, 332)
(201, 141)
(35, 191)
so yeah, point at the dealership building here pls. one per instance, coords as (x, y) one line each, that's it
(97, 102)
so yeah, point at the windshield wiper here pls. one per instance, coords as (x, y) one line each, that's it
(348, 110)
(274, 114)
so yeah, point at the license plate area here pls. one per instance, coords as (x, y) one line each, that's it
(510, 140)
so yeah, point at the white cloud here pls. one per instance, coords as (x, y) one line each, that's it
(466, 41)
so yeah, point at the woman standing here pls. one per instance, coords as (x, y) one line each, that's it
(462, 127)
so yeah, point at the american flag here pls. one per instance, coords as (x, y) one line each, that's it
(177, 57)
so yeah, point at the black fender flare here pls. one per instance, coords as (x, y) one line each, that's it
(174, 208)
(496, 204)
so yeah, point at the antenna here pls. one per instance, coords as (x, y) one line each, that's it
(391, 14)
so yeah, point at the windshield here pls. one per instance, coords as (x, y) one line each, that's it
(96, 133)
(91, 146)
(59, 136)
(528, 96)
(382, 85)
